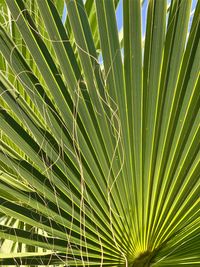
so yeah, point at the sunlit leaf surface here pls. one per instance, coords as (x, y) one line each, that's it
(100, 133)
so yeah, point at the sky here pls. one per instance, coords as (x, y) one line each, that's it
(119, 14)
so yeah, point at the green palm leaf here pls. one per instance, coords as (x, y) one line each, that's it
(99, 162)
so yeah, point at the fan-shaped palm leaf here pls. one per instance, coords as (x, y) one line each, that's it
(99, 162)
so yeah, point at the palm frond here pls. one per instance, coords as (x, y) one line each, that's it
(99, 161)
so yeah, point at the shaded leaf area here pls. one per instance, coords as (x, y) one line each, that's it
(100, 136)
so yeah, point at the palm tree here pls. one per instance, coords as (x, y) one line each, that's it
(100, 136)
